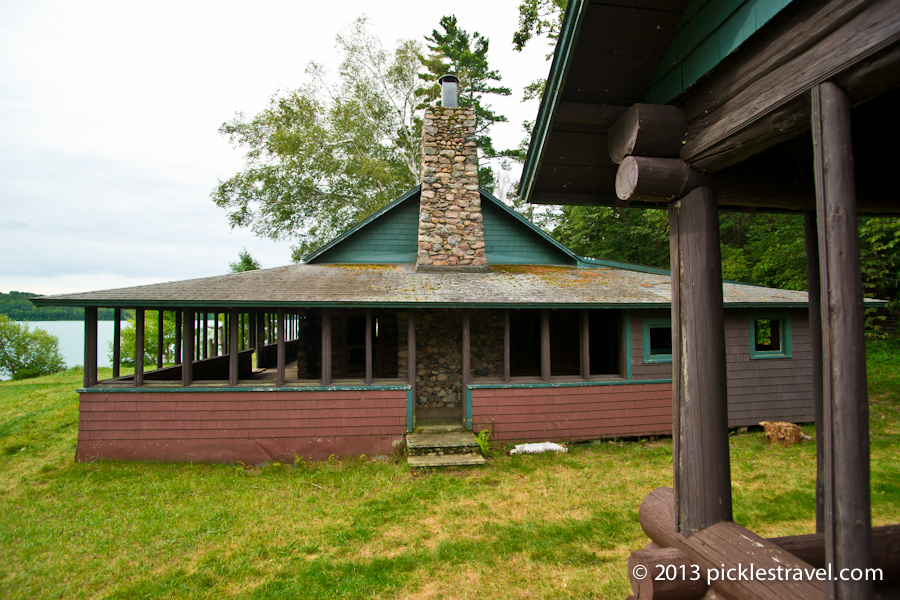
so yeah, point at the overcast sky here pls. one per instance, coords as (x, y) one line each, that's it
(110, 109)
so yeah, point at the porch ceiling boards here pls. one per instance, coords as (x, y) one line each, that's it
(399, 286)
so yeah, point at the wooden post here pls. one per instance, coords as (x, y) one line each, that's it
(260, 330)
(326, 346)
(368, 346)
(466, 352)
(280, 353)
(234, 347)
(205, 334)
(545, 344)
(178, 342)
(197, 337)
(117, 342)
(90, 346)
(139, 332)
(700, 403)
(815, 341)
(240, 320)
(160, 337)
(411, 352)
(507, 350)
(216, 333)
(585, 339)
(848, 533)
(187, 342)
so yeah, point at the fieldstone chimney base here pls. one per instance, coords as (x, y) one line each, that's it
(451, 236)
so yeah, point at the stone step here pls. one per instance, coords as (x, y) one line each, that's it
(447, 460)
(451, 442)
(456, 428)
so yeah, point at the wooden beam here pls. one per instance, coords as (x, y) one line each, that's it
(411, 352)
(758, 96)
(654, 562)
(187, 345)
(160, 337)
(326, 346)
(811, 237)
(725, 545)
(178, 332)
(216, 333)
(139, 332)
(665, 178)
(545, 345)
(699, 389)
(848, 532)
(280, 352)
(507, 347)
(585, 343)
(368, 346)
(205, 340)
(234, 347)
(466, 352)
(197, 336)
(647, 130)
(117, 343)
(90, 346)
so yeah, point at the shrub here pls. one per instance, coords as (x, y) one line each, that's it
(25, 353)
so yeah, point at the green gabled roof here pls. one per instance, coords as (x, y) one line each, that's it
(390, 237)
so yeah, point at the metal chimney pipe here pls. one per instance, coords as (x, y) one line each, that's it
(449, 91)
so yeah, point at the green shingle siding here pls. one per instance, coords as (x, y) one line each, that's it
(509, 242)
(709, 31)
(388, 239)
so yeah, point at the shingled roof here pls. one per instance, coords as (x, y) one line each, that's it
(520, 286)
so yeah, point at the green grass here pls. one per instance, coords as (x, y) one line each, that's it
(548, 526)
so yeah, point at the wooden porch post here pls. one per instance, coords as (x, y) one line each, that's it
(466, 353)
(326, 346)
(117, 342)
(178, 342)
(215, 333)
(234, 347)
(280, 354)
(90, 346)
(815, 339)
(260, 330)
(187, 348)
(507, 350)
(160, 337)
(700, 404)
(205, 340)
(197, 337)
(368, 346)
(585, 340)
(139, 333)
(411, 352)
(545, 344)
(848, 532)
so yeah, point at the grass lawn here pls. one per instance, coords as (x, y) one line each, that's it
(558, 526)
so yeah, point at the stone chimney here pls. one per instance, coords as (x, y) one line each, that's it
(451, 237)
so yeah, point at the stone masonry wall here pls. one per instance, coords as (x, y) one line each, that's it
(450, 227)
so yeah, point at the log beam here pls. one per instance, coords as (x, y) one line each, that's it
(187, 346)
(90, 346)
(726, 545)
(699, 388)
(139, 332)
(660, 564)
(647, 130)
(280, 351)
(117, 343)
(848, 532)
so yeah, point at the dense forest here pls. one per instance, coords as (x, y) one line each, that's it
(17, 307)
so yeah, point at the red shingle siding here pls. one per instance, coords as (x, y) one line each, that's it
(572, 413)
(251, 427)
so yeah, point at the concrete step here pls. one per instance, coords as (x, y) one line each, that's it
(451, 442)
(447, 460)
(443, 428)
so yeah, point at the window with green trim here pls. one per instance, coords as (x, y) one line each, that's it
(657, 340)
(770, 336)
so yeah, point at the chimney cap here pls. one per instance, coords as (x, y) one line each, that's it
(449, 77)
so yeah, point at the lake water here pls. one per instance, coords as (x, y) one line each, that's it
(71, 339)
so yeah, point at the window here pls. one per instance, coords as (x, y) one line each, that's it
(770, 336)
(657, 340)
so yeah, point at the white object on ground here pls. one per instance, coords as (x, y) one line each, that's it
(538, 448)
